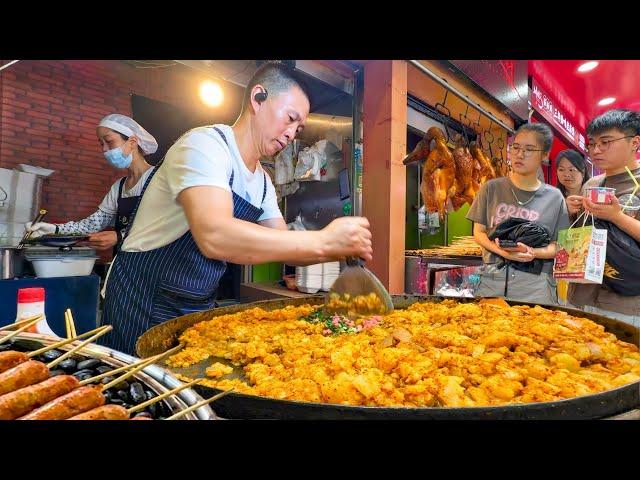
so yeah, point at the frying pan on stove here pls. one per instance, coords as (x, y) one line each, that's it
(237, 405)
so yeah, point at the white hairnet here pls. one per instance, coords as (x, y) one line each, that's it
(128, 126)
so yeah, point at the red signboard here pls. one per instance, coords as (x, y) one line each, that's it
(542, 103)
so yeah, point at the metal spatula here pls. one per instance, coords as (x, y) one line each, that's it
(355, 280)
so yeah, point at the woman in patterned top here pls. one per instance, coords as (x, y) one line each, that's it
(124, 144)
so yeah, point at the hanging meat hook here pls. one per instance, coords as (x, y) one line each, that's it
(489, 134)
(442, 108)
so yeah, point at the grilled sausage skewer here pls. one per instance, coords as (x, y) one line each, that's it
(32, 371)
(23, 375)
(77, 401)
(20, 402)
(86, 397)
(116, 412)
(105, 412)
(11, 358)
(24, 400)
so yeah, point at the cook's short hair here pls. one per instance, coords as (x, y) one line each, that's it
(275, 78)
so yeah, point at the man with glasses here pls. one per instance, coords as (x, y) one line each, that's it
(614, 139)
(521, 195)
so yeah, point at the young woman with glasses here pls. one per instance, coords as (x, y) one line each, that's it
(520, 195)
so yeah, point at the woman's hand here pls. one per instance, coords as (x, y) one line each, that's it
(40, 228)
(523, 254)
(103, 240)
(574, 204)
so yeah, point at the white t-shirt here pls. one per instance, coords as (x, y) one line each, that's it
(110, 202)
(199, 157)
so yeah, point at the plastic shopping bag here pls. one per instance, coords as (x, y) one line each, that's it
(581, 253)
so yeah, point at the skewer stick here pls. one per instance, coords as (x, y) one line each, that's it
(144, 405)
(11, 326)
(71, 327)
(130, 373)
(110, 373)
(72, 323)
(103, 330)
(21, 329)
(147, 361)
(66, 325)
(199, 404)
(63, 342)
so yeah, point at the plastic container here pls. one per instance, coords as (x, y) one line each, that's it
(30, 304)
(63, 267)
(630, 204)
(330, 273)
(601, 195)
(53, 262)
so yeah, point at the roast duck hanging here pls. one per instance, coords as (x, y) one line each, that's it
(449, 175)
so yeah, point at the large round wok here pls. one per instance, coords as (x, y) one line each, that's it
(604, 404)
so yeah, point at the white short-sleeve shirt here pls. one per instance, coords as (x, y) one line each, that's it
(199, 157)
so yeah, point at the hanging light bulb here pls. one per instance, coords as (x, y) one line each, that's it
(606, 101)
(211, 93)
(588, 66)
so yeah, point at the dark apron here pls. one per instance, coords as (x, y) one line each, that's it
(124, 215)
(148, 288)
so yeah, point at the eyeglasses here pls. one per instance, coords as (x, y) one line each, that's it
(527, 150)
(603, 146)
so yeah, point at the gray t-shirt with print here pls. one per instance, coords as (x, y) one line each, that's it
(498, 199)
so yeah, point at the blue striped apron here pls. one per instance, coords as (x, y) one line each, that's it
(145, 289)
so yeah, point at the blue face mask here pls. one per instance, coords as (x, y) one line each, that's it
(116, 158)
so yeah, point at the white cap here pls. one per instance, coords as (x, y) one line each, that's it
(128, 126)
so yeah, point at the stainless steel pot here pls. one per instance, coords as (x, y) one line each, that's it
(12, 262)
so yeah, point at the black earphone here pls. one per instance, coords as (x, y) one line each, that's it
(260, 96)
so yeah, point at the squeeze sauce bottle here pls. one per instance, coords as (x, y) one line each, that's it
(30, 304)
